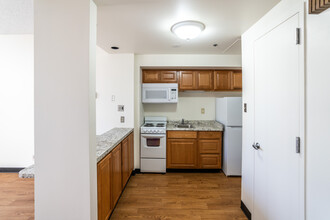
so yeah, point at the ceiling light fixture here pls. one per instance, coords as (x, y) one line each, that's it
(188, 30)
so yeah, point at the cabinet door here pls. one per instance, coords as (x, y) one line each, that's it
(210, 161)
(116, 185)
(104, 188)
(236, 81)
(204, 80)
(187, 80)
(222, 80)
(209, 146)
(151, 76)
(131, 153)
(125, 161)
(182, 153)
(168, 76)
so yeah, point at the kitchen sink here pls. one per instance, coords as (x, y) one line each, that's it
(184, 126)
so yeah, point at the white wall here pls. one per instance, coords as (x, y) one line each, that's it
(65, 155)
(186, 103)
(114, 77)
(318, 116)
(16, 97)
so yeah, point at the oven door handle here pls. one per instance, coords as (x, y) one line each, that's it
(156, 136)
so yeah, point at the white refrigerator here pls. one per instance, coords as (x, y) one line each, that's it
(229, 113)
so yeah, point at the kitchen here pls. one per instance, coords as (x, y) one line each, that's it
(138, 123)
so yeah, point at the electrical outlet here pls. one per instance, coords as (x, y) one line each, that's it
(120, 108)
(113, 98)
(122, 119)
(203, 110)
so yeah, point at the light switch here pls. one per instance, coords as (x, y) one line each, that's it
(113, 98)
(203, 110)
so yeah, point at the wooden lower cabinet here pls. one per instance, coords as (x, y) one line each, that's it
(125, 161)
(131, 153)
(210, 161)
(209, 146)
(113, 172)
(116, 177)
(194, 150)
(181, 153)
(127, 158)
(104, 188)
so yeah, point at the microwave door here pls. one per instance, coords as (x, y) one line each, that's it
(155, 95)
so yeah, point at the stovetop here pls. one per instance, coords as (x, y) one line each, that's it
(154, 125)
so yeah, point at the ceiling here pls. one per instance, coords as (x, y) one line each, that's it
(16, 17)
(143, 26)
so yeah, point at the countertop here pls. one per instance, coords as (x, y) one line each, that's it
(105, 143)
(198, 125)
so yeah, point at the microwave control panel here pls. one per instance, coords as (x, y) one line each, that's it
(173, 94)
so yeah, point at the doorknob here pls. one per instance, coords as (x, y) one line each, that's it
(256, 146)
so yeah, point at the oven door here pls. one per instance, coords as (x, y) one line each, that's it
(153, 146)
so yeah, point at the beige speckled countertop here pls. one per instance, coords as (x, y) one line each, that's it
(105, 143)
(198, 125)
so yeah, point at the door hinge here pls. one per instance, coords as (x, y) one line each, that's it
(298, 36)
(298, 145)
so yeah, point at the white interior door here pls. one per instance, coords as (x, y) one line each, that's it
(277, 124)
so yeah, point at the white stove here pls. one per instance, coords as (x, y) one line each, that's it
(153, 145)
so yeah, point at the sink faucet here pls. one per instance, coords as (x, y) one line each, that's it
(182, 121)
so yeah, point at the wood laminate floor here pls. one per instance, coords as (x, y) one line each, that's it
(202, 196)
(193, 196)
(16, 197)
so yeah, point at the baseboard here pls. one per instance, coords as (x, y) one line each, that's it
(136, 171)
(245, 210)
(193, 170)
(10, 169)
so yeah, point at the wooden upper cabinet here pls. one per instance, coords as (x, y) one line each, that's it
(204, 80)
(159, 76)
(187, 80)
(151, 76)
(236, 80)
(168, 76)
(207, 80)
(103, 188)
(222, 80)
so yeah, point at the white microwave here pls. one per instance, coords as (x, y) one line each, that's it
(159, 93)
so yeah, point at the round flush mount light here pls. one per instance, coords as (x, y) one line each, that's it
(188, 30)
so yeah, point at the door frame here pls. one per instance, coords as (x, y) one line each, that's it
(298, 9)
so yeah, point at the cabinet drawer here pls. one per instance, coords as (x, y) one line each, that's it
(209, 134)
(182, 134)
(210, 161)
(209, 146)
